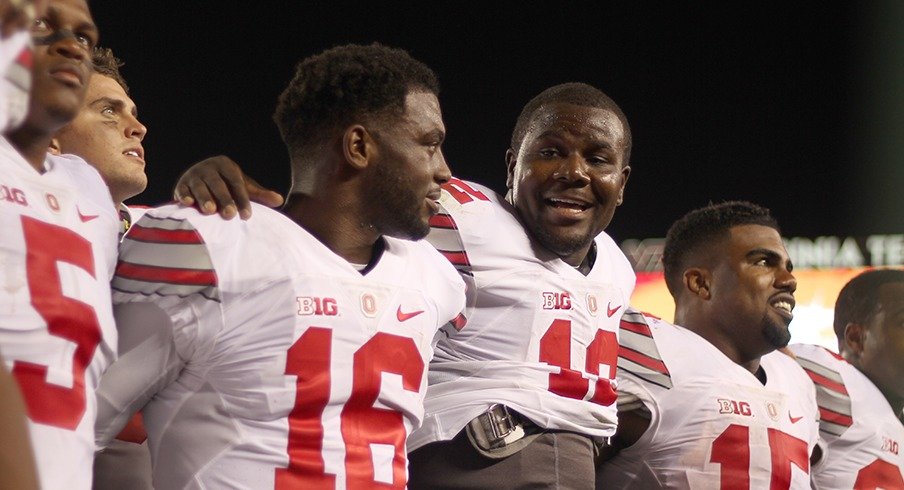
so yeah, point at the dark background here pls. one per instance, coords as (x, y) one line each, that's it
(794, 106)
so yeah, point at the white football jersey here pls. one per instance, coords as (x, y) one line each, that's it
(713, 424)
(865, 440)
(95, 195)
(272, 362)
(541, 337)
(56, 323)
(125, 463)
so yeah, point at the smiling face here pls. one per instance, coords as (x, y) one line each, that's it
(62, 66)
(752, 289)
(568, 176)
(409, 169)
(107, 134)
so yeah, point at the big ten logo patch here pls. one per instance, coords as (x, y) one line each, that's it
(311, 305)
(734, 407)
(556, 301)
(13, 195)
(890, 445)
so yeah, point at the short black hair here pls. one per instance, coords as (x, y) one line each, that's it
(106, 64)
(344, 83)
(569, 93)
(704, 226)
(858, 300)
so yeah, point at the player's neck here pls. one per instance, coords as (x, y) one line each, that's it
(585, 265)
(32, 144)
(749, 362)
(897, 406)
(118, 197)
(717, 336)
(336, 227)
(896, 402)
(738, 356)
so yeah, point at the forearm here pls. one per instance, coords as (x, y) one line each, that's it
(148, 362)
(17, 466)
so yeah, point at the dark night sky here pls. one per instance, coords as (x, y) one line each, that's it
(755, 101)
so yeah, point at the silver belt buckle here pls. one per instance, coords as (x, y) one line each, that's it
(495, 428)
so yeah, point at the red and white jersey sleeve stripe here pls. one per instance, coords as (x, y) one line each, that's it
(165, 257)
(864, 437)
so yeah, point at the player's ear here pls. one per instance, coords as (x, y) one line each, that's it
(510, 159)
(697, 281)
(54, 148)
(358, 146)
(854, 338)
(626, 172)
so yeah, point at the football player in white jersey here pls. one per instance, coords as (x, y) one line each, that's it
(522, 395)
(108, 134)
(709, 402)
(17, 466)
(861, 392)
(308, 368)
(58, 250)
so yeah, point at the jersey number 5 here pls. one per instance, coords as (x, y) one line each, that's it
(362, 424)
(46, 246)
(555, 349)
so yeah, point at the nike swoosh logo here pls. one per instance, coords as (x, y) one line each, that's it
(401, 316)
(610, 310)
(794, 420)
(85, 217)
